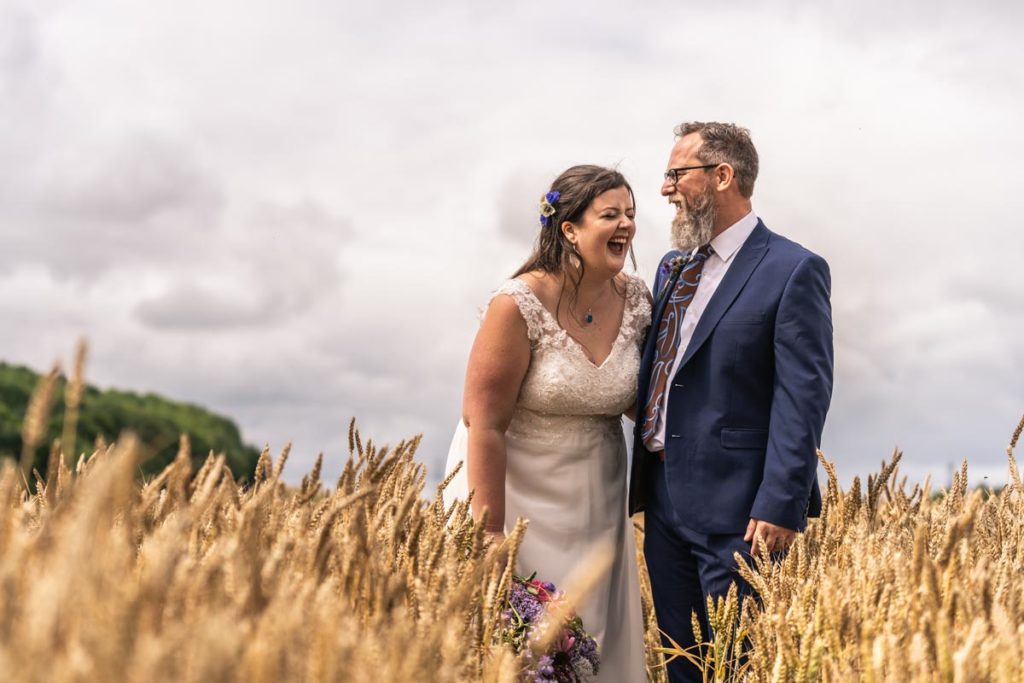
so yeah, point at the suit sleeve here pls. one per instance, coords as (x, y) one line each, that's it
(801, 395)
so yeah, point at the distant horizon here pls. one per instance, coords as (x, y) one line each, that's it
(434, 470)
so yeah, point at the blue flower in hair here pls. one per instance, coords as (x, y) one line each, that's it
(547, 207)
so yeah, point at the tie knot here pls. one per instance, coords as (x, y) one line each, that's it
(704, 251)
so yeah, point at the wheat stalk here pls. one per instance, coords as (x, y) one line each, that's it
(36, 415)
(194, 576)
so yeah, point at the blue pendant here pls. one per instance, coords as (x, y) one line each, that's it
(589, 318)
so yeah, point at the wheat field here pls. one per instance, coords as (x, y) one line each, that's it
(890, 585)
(193, 577)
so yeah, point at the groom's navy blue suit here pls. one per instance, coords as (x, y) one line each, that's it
(746, 408)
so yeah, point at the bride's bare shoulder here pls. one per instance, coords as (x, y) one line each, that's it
(545, 286)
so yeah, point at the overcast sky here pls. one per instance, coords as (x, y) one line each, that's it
(291, 212)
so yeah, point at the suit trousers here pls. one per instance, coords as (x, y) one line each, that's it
(685, 567)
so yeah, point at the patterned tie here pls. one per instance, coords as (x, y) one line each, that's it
(668, 338)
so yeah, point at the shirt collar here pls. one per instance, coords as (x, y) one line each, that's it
(732, 238)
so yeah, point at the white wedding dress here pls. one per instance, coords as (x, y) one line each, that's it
(566, 470)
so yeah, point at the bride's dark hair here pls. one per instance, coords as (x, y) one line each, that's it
(553, 253)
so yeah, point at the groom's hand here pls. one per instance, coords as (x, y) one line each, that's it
(776, 539)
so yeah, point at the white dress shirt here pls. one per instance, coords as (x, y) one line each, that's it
(725, 247)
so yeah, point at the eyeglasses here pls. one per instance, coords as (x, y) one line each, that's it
(672, 174)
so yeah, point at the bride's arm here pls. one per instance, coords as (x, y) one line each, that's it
(497, 365)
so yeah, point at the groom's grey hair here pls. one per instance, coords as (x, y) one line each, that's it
(726, 143)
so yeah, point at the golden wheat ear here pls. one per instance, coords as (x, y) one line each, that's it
(33, 429)
(73, 392)
(1014, 472)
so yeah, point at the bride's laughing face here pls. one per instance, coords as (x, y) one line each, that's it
(605, 232)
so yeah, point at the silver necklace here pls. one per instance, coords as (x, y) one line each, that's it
(589, 317)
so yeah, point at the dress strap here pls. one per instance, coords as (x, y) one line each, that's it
(529, 305)
(637, 316)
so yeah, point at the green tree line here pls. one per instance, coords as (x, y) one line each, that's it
(104, 414)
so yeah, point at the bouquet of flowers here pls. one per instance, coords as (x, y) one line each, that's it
(573, 656)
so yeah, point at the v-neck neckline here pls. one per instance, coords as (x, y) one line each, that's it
(579, 345)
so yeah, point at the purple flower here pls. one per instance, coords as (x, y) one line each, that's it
(546, 666)
(526, 606)
(673, 263)
(586, 647)
(574, 658)
(552, 196)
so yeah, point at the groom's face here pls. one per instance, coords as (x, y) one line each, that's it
(689, 184)
(692, 194)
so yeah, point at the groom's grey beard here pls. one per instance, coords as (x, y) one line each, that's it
(696, 224)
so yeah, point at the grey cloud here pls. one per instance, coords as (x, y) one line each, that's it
(935, 373)
(19, 51)
(517, 203)
(27, 84)
(303, 381)
(128, 182)
(878, 21)
(274, 266)
(138, 200)
(77, 196)
(187, 252)
(189, 307)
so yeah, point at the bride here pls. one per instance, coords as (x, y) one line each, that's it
(552, 371)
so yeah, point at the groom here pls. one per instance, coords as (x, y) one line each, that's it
(734, 384)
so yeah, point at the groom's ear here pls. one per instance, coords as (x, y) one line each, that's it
(724, 177)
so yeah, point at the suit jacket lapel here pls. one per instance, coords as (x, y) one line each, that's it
(749, 255)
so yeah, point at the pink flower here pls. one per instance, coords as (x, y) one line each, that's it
(542, 591)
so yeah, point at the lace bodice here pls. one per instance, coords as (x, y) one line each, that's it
(561, 380)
